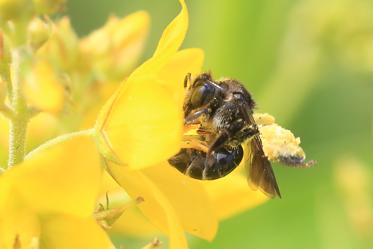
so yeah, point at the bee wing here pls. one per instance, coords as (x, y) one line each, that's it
(260, 172)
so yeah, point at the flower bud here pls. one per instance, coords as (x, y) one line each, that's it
(62, 46)
(38, 33)
(115, 48)
(48, 6)
(43, 88)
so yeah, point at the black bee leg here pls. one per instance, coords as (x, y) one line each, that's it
(248, 132)
(232, 131)
(220, 140)
(187, 79)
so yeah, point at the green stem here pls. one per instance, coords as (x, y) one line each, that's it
(18, 123)
(60, 139)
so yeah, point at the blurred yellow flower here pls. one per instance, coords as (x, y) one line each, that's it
(64, 69)
(43, 89)
(49, 201)
(38, 33)
(115, 48)
(61, 49)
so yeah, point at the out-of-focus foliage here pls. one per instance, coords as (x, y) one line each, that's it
(310, 63)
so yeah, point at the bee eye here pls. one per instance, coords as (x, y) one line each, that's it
(202, 94)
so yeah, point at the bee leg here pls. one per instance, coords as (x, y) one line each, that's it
(295, 161)
(247, 132)
(232, 131)
(218, 143)
(220, 140)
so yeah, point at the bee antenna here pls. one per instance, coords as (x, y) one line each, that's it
(187, 80)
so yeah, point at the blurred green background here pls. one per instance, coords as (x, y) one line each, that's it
(310, 64)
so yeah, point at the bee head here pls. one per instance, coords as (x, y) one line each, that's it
(202, 92)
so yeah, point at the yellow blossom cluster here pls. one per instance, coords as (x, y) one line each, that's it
(113, 176)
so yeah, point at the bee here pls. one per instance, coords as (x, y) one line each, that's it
(221, 114)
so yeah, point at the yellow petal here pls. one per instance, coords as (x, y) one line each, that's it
(18, 224)
(132, 221)
(42, 127)
(146, 118)
(231, 195)
(43, 89)
(187, 196)
(157, 206)
(67, 232)
(64, 178)
(170, 42)
(172, 75)
(38, 32)
(61, 49)
(146, 112)
(145, 125)
(174, 34)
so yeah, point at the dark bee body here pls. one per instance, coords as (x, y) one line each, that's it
(196, 164)
(223, 112)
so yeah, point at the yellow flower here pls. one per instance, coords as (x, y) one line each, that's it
(52, 83)
(38, 32)
(115, 48)
(49, 201)
(61, 49)
(146, 111)
(141, 126)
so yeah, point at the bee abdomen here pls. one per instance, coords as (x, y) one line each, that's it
(198, 165)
